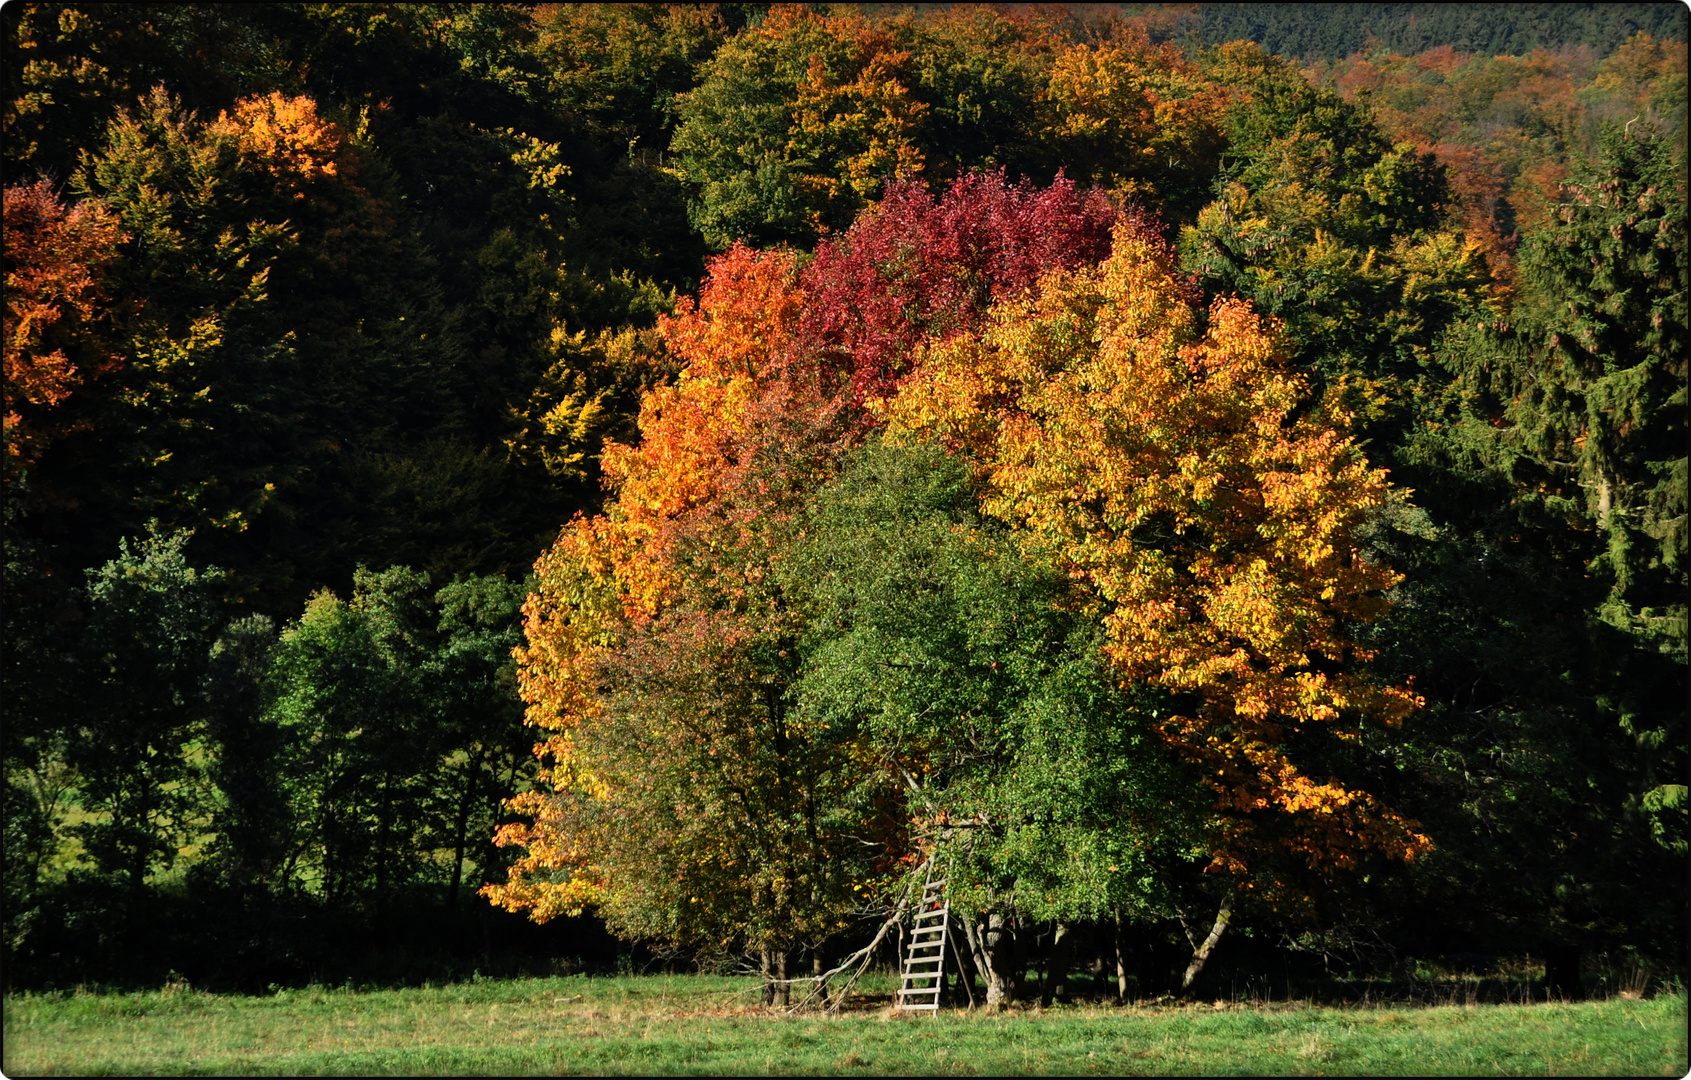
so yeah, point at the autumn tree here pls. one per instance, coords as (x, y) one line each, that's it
(53, 301)
(1172, 468)
(779, 362)
(1139, 119)
(920, 267)
(796, 124)
(683, 802)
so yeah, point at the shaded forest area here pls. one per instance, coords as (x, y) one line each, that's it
(821, 332)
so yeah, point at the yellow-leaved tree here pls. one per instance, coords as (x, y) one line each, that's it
(1172, 463)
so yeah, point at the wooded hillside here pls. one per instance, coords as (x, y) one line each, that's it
(673, 469)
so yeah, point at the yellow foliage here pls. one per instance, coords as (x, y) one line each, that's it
(1171, 467)
(283, 135)
(1134, 116)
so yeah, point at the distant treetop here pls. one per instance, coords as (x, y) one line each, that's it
(1331, 31)
(1335, 30)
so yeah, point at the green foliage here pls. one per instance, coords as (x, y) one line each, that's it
(622, 66)
(1602, 407)
(389, 282)
(1545, 597)
(1335, 30)
(395, 731)
(980, 75)
(345, 328)
(71, 66)
(139, 724)
(38, 683)
(1323, 223)
(732, 144)
(796, 125)
(968, 670)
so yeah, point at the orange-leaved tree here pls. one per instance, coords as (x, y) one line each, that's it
(53, 254)
(1138, 118)
(611, 570)
(684, 799)
(686, 796)
(1170, 462)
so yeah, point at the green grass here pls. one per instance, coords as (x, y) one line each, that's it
(705, 1025)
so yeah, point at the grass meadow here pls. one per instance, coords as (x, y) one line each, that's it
(700, 1025)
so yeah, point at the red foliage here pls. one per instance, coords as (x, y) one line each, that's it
(51, 256)
(919, 267)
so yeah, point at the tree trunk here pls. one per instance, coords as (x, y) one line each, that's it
(783, 989)
(973, 935)
(1121, 957)
(998, 947)
(1203, 951)
(766, 968)
(463, 833)
(1057, 966)
(384, 825)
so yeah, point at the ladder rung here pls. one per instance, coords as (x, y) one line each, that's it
(940, 884)
(923, 990)
(940, 914)
(924, 1008)
(936, 944)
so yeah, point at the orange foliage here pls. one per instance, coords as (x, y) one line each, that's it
(283, 135)
(1174, 474)
(731, 341)
(1504, 125)
(1142, 110)
(52, 255)
(609, 572)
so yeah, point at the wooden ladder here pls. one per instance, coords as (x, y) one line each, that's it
(925, 963)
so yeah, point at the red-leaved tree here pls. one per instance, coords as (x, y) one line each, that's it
(52, 293)
(920, 266)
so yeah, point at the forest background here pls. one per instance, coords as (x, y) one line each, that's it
(321, 321)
